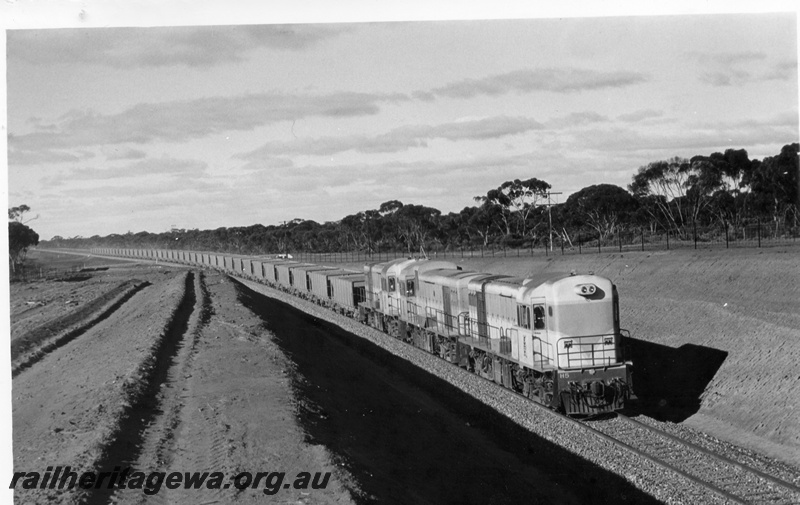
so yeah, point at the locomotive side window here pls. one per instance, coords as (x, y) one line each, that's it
(410, 288)
(538, 317)
(391, 284)
(524, 316)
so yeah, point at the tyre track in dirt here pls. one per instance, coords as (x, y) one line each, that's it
(238, 413)
(68, 408)
(144, 437)
(32, 347)
(224, 405)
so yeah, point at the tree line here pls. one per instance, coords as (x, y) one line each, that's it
(20, 236)
(676, 195)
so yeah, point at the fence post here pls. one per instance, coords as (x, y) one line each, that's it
(667, 239)
(562, 247)
(759, 232)
(641, 230)
(546, 249)
(580, 239)
(619, 239)
(694, 226)
(598, 244)
(726, 234)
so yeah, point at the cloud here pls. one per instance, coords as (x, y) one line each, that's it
(640, 115)
(576, 119)
(122, 153)
(727, 77)
(741, 68)
(726, 59)
(691, 139)
(557, 80)
(398, 139)
(154, 47)
(180, 121)
(268, 162)
(783, 71)
(143, 171)
(22, 157)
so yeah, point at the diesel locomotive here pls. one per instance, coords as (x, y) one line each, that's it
(553, 338)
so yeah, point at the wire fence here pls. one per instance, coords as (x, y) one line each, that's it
(751, 235)
(566, 242)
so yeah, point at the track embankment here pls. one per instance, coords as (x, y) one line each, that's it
(626, 476)
(69, 407)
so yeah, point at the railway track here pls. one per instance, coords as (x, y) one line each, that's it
(732, 480)
(708, 473)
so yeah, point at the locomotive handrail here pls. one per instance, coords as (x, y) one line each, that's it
(391, 309)
(443, 321)
(582, 354)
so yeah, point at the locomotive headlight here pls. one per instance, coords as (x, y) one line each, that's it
(585, 289)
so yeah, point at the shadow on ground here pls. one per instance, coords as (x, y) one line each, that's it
(670, 381)
(408, 437)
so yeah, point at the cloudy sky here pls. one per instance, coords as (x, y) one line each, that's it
(128, 129)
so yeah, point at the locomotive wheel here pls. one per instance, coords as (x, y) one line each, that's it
(546, 398)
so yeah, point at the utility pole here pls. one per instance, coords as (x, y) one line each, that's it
(549, 215)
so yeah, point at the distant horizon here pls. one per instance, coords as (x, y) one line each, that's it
(473, 204)
(119, 129)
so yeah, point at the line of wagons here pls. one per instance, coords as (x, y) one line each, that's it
(554, 338)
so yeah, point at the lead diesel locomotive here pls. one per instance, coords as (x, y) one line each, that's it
(553, 338)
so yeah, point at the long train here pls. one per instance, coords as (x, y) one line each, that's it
(553, 338)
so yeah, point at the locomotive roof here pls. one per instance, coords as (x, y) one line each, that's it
(384, 267)
(313, 268)
(449, 273)
(425, 266)
(333, 273)
(537, 279)
(354, 278)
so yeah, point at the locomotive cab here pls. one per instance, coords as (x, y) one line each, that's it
(581, 341)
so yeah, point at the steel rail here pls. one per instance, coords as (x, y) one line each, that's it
(719, 457)
(655, 460)
(668, 466)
